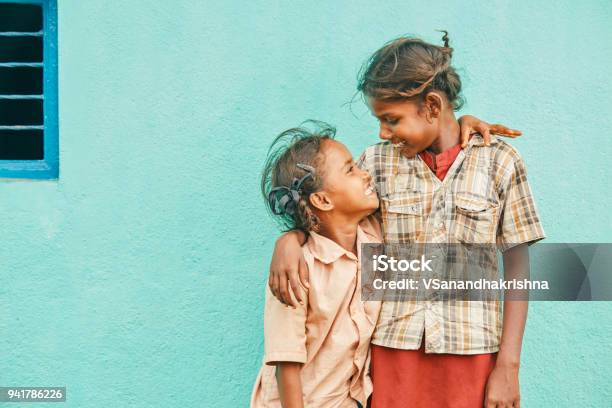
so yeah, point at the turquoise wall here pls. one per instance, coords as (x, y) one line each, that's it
(137, 278)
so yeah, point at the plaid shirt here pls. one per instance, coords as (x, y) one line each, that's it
(484, 198)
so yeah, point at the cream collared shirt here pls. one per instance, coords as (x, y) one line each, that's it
(330, 334)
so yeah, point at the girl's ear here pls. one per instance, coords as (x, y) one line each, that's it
(433, 106)
(321, 201)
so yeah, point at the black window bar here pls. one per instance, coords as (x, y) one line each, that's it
(21, 82)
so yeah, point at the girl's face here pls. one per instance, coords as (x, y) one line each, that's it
(347, 189)
(405, 124)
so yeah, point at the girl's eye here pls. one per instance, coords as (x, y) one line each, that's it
(392, 121)
(350, 169)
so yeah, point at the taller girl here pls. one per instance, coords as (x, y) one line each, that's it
(443, 353)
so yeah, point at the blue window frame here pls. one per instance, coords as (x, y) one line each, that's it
(28, 89)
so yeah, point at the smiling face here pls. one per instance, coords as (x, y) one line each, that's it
(347, 190)
(405, 123)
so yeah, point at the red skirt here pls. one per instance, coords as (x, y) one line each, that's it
(413, 379)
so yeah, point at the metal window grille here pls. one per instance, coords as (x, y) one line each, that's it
(28, 89)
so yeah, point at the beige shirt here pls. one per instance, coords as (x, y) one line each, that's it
(330, 334)
(485, 199)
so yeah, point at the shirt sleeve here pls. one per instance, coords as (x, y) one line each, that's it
(284, 330)
(519, 220)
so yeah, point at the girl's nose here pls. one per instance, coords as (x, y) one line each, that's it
(384, 133)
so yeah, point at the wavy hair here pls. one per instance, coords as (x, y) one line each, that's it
(289, 155)
(407, 67)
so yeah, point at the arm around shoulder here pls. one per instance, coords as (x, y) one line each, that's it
(288, 269)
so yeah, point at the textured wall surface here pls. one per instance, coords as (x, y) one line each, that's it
(137, 278)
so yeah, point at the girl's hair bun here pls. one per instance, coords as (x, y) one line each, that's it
(407, 68)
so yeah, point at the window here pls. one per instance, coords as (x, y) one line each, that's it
(28, 89)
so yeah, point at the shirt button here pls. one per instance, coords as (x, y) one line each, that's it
(441, 225)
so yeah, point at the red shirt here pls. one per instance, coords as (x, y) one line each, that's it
(440, 163)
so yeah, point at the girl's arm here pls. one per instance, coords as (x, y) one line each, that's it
(288, 263)
(288, 266)
(285, 345)
(289, 384)
(470, 124)
(503, 383)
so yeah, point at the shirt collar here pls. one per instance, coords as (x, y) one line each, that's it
(328, 251)
(441, 160)
(478, 140)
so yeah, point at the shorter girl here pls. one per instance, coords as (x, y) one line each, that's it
(317, 355)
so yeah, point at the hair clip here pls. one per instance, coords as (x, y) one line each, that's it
(286, 201)
(306, 168)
